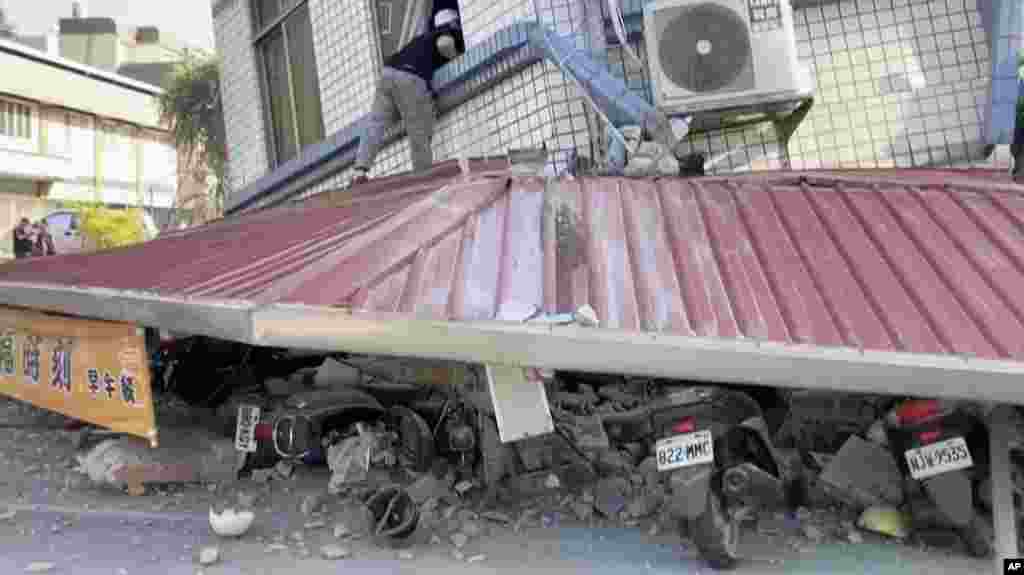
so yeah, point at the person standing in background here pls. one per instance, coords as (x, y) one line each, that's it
(23, 239)
(43, 241)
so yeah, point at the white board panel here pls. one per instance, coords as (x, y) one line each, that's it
(520, 402)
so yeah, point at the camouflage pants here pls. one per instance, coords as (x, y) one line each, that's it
(406, 95)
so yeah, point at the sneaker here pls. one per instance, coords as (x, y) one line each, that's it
(359, 178)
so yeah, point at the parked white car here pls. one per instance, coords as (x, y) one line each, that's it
(66, 228)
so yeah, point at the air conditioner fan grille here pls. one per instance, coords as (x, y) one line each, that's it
(704, 48)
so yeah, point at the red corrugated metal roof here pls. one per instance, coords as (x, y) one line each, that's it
(917, 261)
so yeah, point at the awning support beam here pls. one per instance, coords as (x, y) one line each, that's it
(1001, 426)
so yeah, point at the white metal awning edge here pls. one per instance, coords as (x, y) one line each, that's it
(543, 346)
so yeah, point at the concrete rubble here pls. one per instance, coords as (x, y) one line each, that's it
(126, 461)
(426, 488)
(209, 556)
(313, 503)
(863, 474)
(281, 387)
(333, 552)
(611, 496)
(647, 158)
(582, 473)
(333, 373)
(352, 459)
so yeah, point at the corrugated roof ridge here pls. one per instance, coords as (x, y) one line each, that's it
(866, 181)
(332, 260)
(951, 286)
(318, 245)
(362, 289)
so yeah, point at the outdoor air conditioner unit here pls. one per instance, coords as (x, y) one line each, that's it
(716, 54)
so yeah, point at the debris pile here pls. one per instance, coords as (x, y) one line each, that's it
(870, 456)
(415, 445)
(351, 458)
(183, 456)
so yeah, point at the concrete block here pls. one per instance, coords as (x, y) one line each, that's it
(611, 496)
(333, 373)
(280, 387)
(863, 474)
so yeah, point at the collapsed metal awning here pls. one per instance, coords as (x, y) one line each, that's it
(902, 282)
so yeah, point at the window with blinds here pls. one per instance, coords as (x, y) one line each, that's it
(15, 120)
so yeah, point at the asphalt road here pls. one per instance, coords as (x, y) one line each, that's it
(127, 543)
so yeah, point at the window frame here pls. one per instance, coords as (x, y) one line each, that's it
(15, 142)
(389, 6)
(261, 33)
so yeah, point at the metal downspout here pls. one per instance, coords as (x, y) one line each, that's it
(609, 96)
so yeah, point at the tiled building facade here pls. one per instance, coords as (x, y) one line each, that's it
(897, 83)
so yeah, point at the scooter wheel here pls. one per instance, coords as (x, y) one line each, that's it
(715, 534)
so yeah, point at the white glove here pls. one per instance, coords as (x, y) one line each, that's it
(446, 46)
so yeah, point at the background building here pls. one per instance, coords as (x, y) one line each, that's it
(78, 133)
(896, 83)
(144, 53)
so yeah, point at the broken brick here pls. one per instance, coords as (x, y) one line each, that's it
(643, 505)
(648, 469)
(612, 462)
(611, 495)
(333, 373)
(537, 452)
(427, 487)
(586, 432)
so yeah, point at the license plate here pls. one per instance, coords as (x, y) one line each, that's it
(937, 458)
(245, 429)
(684, 450)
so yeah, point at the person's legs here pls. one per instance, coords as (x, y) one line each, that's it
(1017, 149)
(381, 116)
(416, 106)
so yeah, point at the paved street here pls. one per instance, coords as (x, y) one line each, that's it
(115, 542)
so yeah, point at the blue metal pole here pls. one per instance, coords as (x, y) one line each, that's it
(1006, 40)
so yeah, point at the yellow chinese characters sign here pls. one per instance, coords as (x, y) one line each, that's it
(93, 371)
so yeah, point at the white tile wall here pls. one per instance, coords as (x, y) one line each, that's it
(482, 18)
(243, 120)
(535, 107)
(346, 59)
(899, 83)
